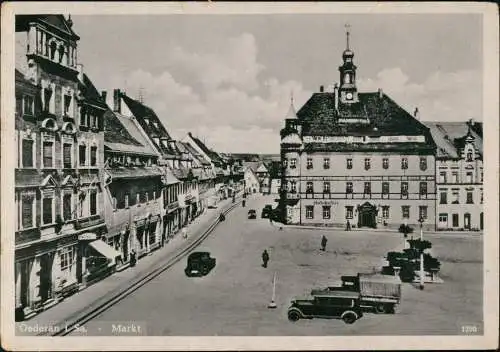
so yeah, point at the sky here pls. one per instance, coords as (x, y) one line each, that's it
(229, 78)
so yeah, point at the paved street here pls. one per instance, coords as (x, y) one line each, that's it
(233, 298)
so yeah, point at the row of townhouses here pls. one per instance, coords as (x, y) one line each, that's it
(349, 156)
(98, 177)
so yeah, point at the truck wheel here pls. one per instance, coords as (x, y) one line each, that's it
(380, 308)
(293, 315)
(349, 317)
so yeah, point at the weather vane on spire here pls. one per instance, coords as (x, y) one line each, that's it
(347, 33)
(291, 96)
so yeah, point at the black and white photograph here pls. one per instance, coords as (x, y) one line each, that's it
(247, 176)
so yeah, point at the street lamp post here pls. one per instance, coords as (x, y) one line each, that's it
(421, 221)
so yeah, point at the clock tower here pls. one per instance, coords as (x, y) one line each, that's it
(348, 91)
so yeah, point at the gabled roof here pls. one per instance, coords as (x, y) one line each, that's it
(252, 165)
(197, 155)
(262, 168)
(55, 22)
(450, 138)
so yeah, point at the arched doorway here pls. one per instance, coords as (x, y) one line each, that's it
(367, 214)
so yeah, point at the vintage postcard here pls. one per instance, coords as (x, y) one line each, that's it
(249, 176)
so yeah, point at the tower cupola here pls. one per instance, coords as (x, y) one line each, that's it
(348, 91)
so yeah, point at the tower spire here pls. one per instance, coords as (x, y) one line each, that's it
(347, 33)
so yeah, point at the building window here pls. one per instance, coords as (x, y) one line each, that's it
(404, 189)
(67, 105)
(309, 187)
(28, 211)
(285, 163)
(309, 211)
(67, 205)
(455, 196)
(404, 163)
(481, 196)
(422, 212)
(423, 163)
(348, 188)
(443, 219)
(326, 211)
(423, 188)
(93, 203)
(81, 204)
(454, 177)
(368, 188)
(385, 212)
(442, 177)
(326, 163)
(93, 121)
(67, 159)
(47, 211)
(468, 177)
(349, 212)
(28, 104)
(385, 163)
(27, 146)
(127, 201)
(137, 198)
(67, 258)
(293, 163)
(454, 220)
(443, 197)
(469, 155)
(469, 198)
(367, 164)
(326, 187)
(82, 155)
(93, 156)
(385, 187)
(48, 155)
(293, 185)
(349, 163)
(405, 210)
(309, 163)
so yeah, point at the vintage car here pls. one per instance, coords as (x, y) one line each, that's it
(199, 264)
(330, 305)
(252, 214)
(267, 211)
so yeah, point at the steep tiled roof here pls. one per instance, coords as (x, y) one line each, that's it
(450, 138)
(123, 135)
(211, 154)
(142, 111)
(91, 93)
(318, 116)
(196, 155)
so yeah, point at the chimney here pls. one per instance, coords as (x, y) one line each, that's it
(117, 101)
(416, 114)
(380, 93)
(104, 95)
(336, 91)
(80, 72)
(321, 89)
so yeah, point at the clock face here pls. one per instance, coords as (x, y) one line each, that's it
(348, 96)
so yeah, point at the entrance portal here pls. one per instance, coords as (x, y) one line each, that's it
(367, 215)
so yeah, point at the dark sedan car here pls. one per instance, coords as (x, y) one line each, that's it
(331, 305)
(199, 264)
(252, 214)
(267, 211)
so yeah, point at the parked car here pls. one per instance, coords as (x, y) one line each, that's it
(267, 211)
(199, 264)
(330, 305)
(379, 293)
(252, 214)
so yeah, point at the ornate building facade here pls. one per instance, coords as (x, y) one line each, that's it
(356, 157)
(459, 175)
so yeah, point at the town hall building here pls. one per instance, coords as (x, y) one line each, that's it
(356, 157)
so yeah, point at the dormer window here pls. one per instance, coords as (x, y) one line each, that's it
(155, 124)
(469, 155)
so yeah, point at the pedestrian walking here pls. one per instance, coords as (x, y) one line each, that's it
(265, 258)
(348, 226)
(184, 233)
(222, 217)
(323, 243)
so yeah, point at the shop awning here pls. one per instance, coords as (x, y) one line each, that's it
(106, 250)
